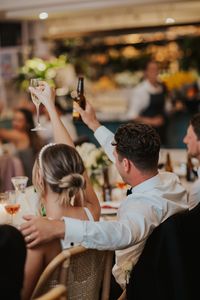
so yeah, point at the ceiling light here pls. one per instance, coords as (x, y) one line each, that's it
(169, 20)
(43, 15)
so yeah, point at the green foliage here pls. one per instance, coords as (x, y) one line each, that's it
(39, 68)
(191, 55)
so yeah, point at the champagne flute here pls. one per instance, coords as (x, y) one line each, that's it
(11, 205)
(34, 82)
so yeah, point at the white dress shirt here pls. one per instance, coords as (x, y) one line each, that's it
(151, 203)
(194, 192)
(140, 98)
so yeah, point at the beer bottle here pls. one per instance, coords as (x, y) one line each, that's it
(168, 164)
(80, 98)
(106, 188)
(190, 175)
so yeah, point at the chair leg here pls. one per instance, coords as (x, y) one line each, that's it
(123, 295)
(107, 276)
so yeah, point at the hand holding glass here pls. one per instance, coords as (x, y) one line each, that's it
(34, 82)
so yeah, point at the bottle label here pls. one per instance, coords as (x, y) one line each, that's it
(75, 114)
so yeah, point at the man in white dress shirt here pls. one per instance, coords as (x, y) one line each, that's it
(192, 140)
(148, 102)
(155, 196)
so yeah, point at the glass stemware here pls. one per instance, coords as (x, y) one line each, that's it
(19, 183)
(34, 82)
(11, 205)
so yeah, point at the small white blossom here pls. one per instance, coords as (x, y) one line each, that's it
(95, 159)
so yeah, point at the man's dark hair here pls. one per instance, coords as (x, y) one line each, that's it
(139, 143)
(195, 122)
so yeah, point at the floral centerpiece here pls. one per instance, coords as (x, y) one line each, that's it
(39, 68)
(95, 159)
(181, 84)
(179, 79)
(183, 89)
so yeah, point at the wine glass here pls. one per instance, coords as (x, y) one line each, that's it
(19, 183)
(11, 205)
(34, 82)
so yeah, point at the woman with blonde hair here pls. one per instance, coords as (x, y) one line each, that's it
(64, 190)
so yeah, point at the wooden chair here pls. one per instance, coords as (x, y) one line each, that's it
(84, 272)
(57, 293)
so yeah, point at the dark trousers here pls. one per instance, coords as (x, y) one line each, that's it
(115, 289)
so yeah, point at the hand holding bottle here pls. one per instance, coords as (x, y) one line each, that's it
(88, 116)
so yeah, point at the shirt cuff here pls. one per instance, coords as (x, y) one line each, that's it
(73, 232)
(101, 134)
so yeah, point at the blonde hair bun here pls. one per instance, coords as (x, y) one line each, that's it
(76, 181)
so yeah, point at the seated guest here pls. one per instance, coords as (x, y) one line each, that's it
(12, 261)
(64, 190)
(192, 140)
(26, 142)
(155, 196)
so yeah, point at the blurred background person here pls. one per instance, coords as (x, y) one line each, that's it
(148, 101)
(27, 143)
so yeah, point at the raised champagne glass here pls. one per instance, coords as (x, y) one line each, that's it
(34, 82)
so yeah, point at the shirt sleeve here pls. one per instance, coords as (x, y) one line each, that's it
(103, 235)
(133, 225)
(194, 194)
(105, 137)
(138, 102)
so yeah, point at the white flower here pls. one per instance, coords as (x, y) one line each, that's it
(85, 149)
(93, 157)
(128, 266)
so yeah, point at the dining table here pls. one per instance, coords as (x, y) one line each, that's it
(29, 202)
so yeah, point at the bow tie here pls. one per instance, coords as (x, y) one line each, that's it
(129, 191)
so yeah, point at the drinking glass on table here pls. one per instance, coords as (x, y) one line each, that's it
(11, 204)
(19, 183)
(34, 82)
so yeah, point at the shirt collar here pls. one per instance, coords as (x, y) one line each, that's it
(151, 88)
(147, 185)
